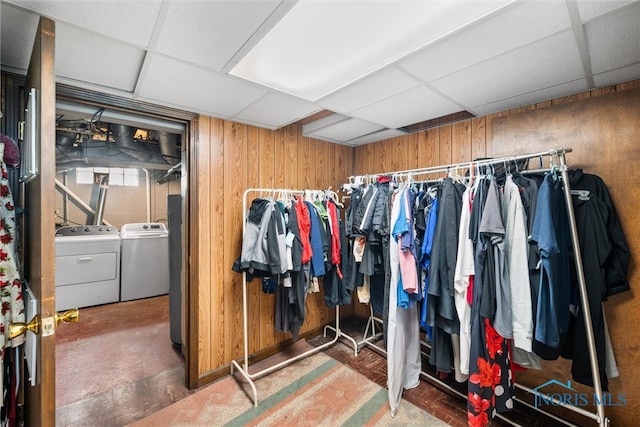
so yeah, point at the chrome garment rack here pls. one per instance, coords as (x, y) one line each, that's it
(555, 155)
(244, 369)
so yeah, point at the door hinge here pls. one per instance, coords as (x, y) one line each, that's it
(21, 131)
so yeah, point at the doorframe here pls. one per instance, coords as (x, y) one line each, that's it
(112, 102)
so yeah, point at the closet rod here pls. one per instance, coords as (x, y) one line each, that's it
(474, 163)
(244, 369)
(559, 153)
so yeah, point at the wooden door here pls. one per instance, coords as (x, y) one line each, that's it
(38, 239)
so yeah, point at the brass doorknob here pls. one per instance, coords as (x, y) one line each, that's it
(69, 316)
(17, 329)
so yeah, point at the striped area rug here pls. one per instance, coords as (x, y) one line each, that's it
(316, 391)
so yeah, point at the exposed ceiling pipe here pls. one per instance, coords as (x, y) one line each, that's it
(123, 137)
(102, 198)
(148, 184)
(78, 200)
(168, 143)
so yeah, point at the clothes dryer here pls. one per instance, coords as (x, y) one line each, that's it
(87, 266)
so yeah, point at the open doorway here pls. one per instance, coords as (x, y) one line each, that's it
(120, 186)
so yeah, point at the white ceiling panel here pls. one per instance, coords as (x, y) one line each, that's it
(554, 92)
(346, 130)
(195, 89)
(373, 88)
(590, 9)
(506, 30)
(130, 21)
(546, 63)
(616, 76)
(480, 56)
(614, 39)
(275, 110)
(209, 33)
(90, 57)
(407, 108)
(376, 136)
(17, 32)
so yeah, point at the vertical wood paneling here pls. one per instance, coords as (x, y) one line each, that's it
(603, 132)
(461, 142)
(265, 302)
(606, 134)
(399, 154)
(445, 144)
(412, 149)
(254, 289)
(235, 172)
(217, 204)
(478, 138)
(290, 157)
(306, 176)
(428, 147)
(202, 159)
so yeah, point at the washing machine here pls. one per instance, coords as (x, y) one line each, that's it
(144, 269)
(87, 266)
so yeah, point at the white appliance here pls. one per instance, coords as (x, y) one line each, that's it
(87, 266)
(144, 268)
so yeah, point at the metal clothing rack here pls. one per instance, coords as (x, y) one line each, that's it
(558, 154)
(244, 369)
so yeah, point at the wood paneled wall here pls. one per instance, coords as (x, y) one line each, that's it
(226, 158)
(603, 128)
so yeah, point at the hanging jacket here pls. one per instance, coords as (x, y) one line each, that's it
(262, 241)
(317, 256)
(616, 265)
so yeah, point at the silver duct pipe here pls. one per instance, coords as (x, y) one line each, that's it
(168, 143)
(123, 137)
(79, 200)
(102, 197)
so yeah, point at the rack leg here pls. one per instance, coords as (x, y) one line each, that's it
(246, 375)
(340, 334)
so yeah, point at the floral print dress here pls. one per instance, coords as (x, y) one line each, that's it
(11, 299)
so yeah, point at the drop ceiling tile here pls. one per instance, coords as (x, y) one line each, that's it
(130, 21)
(376, 136)
(501, 32)
(346, 130)
(209, 33)
(190, 88)
(275, 110)
(548, 62)
(373, 88)
(17, 32)
(590, 9)
(614, 39)
(95, 59)
(565, 89)
(619, 75)
(407, 108)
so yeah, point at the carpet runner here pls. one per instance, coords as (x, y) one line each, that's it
(315, 391)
